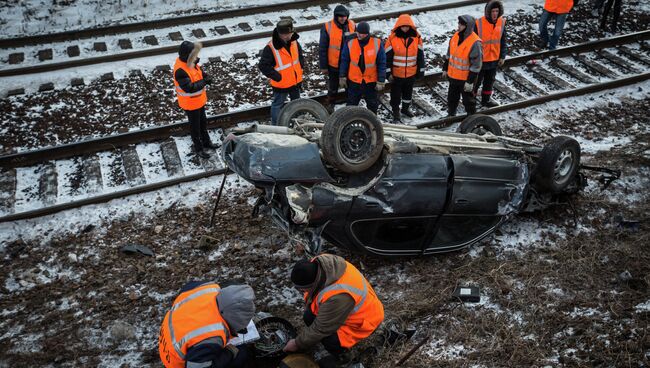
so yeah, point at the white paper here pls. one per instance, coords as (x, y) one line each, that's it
(464, 291)
(250, 336)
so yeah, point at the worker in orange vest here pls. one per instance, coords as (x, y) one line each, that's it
(363, 64)
(333, 35)
(341, 307)
(558, 9)
(404, 64)
(462, 64)
(282, 62)
(491, 29)
(197, 330)
(190, 81)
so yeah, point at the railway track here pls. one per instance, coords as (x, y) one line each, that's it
(119, 48)
(48, 180)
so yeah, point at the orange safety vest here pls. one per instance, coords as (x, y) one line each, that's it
(194, 317)
(558, 6)
(369, 75)
(336, 40)
(490, 36)
(194, 100)
(368, 312)
(288, 65)
(405, 59)
(459, 62)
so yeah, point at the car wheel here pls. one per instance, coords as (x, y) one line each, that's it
(479, 124)
(304, 108)
(558, 164)
(352, 139)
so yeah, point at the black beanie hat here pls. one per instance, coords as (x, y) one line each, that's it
(462, 21)
(184, 50)
(363, 27)
(342, 11)
(304, 274)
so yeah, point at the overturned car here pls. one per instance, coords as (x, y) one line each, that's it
(394, 189)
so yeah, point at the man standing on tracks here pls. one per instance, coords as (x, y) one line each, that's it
(462, 65)
(341, 307)
(558, 9)
(363, 64)
(197, 330)
(491, 29)
(282, 62)
(190, 82)
(404, 63)
(333, 35)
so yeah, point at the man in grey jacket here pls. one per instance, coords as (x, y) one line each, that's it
(462, 65)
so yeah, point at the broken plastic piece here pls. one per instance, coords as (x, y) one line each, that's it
(136, 248)
(467, 294)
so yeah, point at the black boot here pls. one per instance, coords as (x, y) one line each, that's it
(397, 118)
(406, 111)
(210, 145)
(331, 101)
(486, 101)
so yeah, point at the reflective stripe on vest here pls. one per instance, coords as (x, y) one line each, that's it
(288, 65)
(405, 59)
(363, 293)
(558, 6)
(336, 37)
(369, 75)
(459, 63)
(190, 100)
(490, 35)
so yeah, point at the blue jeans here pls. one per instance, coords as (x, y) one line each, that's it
(278, 102)
(557, 31)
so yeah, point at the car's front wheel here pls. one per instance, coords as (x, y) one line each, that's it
(479, 124)
(558, 164)
(352, 139)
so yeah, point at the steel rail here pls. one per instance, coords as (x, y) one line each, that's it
(47, 67)
(156, 24)
(230, 118)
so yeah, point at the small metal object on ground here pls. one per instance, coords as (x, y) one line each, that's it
(136, 248)
(467, 294)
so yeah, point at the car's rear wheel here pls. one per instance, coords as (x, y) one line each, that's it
(558, 164)
(352, 139)
(479, 124)
(303, 108)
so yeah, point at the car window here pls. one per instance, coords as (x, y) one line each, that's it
(393, 235)
(457, 231)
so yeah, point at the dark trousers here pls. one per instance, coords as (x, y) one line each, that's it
(366, 90)
(401, 91)
(454, 95)
(486, 77)
(617, 13)
(331, 343)
(278, 102)
(333, 81)
(198, 127)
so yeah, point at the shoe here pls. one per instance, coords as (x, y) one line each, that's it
(407, 112)
(397, 117)
(210, 145)
(451, 114)
(203, 154)
(489, 103)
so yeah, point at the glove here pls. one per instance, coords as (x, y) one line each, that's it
(389, 78)
(276, 77)
(501, 61)
(444, 75)
(325, 71)
(380, 86)
(469, 87)
(343, 82)
(208, 80)
(233, 349)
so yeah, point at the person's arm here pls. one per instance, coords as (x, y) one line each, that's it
(331, 315)
(504, 44)
(267, 64)
(345, 61)
(421, 65)
(185, 82)
(381, 64)
(210, 353)
(301, 57)
(475, 61)
(323, 45)
(390, 54)
(445, 65)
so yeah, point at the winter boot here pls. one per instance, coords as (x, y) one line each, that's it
(406, 111)
(331, 101)
(397, 118)
(203, 154)
(486, 101)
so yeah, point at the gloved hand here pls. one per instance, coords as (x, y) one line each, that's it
(208, 80)
(468, 87)
(501, 61)
(444, 75)
(233, 349)
(380, 86)
(343, 82)
(389, 78)
(291, 346)
(325, 71)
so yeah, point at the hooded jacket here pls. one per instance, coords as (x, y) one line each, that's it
(183, 79)
(324, 42)
(504, 45)
(408, 38)
(476, 52)
(267, 60)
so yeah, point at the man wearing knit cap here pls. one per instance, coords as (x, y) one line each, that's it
(196, 332)
(363, 65)
(462, 64)
(341, 307)
(333, 35)
(491, 29)
(283, 63)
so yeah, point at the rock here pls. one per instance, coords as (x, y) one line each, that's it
(157, 229)
(72, 257)
(121, 331)
(625, 276)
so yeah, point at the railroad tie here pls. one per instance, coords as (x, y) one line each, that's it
(634, 55)
(92, 174)
(506, 91)
(171, 158)
(425, 106)
(543, 73)
(615, 59)
(595, 66)
(7, 190)
(48, 183)
(572, 71)
(531, 87)
(132, 166)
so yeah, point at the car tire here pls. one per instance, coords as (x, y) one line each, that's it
(299, 107)
(479, 124)
(352, 139)
(558, 164)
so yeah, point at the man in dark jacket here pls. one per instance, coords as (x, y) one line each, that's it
(283, 63)
(190, 81)
(491, 28)
(615, 16)
(333, 35)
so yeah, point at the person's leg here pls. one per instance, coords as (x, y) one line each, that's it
(560, 19)
(453, 95)
(370, 95)
(617, 13)
(407, 96)
(469, 102)
(276, 105)
(205, 137)
(488, 85)
(194, 117)
(294, 93)
(243, 357)
(603, 19)
(543, 26)
(396, 93)
(333, 78)
(479, 81)
(354, 94)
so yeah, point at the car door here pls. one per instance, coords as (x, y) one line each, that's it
(397, 214)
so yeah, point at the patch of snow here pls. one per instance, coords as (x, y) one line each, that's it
(643, 307)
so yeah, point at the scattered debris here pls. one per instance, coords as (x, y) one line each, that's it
(136, 248)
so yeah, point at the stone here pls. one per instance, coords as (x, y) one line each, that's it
(157, 229)
(240, 55)
(198, 33)
(222, 30)
(124, 44)
(73, 51)
(107, 77)
(151, 40)
(267, 23)
(175, 36)
(45, 55)
(46, 87)
(122, 331)
(76, 82)
(16, 58)
(99, 46)
(310, 17)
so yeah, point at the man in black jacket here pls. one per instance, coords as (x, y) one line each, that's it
(333, 35)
